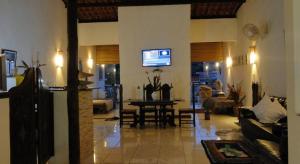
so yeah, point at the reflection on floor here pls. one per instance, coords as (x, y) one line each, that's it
(113, 145)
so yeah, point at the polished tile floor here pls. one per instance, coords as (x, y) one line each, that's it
(113, 145)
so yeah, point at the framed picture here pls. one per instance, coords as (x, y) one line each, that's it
(240, 60)
(10, 61)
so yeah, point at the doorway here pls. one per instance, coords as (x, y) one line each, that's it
(206, 74)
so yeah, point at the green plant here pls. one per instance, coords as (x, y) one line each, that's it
(236, 94)
(24, 65)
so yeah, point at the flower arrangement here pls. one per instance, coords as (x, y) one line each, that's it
(156, 79)
(236, 94)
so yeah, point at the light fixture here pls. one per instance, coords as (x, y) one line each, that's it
(103, 65)
(90, 63)
(59, 59)
(253, 56)
(206, 67)
(229, 61)
(217, 64)
(115, 70)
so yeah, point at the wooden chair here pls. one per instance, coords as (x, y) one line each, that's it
(165, 94)
(147, 91)
(127, 116)
(187, 113)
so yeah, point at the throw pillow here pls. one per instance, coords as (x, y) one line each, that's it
(282, 112)
(258, 109)
(269, 112)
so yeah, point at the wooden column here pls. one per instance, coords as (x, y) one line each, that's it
(73, 105)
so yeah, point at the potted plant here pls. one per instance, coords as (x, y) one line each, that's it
(208, 104)
(155, 83)
(236, 94)
(207, 101)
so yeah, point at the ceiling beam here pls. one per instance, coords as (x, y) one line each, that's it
(96, 20)
(213, 17)
(193, 17)
(153, 2)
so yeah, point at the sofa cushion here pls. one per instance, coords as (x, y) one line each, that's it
(253, 129)
(278, 128)
(103, 104)
(269, 149)
(269, 112)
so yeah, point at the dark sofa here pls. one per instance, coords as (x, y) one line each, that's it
(270, 139)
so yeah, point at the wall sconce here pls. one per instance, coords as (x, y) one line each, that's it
(253, 56)
(90, 63)
(229, 61)
(59, 59)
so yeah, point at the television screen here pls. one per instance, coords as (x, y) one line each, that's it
(156, 57)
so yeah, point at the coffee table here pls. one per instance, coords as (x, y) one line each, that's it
(229, 152)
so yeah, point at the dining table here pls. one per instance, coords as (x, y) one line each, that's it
(162, 107)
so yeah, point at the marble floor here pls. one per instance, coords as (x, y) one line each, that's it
(113, 145)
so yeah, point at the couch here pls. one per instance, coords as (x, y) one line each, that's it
(269, 139)
(102, 105)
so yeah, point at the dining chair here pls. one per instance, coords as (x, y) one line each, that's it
(147, 112)
(188, 115)
(127, 116)
(166, 95)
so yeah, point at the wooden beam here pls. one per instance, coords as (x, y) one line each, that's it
(72, 89)
(153, 2)
(213, 17)
(96, 20)
(192, 17)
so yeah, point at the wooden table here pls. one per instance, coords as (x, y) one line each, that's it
(216, 156)
(161, 103)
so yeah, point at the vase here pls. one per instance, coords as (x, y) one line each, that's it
(236, 111)
(155, 95)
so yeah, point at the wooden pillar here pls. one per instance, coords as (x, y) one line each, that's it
(73, 105)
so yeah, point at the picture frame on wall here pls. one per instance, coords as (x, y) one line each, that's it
(240, 60)
(10, 61)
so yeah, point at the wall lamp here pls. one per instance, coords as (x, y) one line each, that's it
(90, 63)
(229, 61)
(217, 64)
(253, 55)
(59, 59)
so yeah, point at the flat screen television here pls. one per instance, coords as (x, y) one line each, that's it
(156, 57)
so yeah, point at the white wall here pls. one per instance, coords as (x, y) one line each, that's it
(61, 132)
(292, 28)
(270, 66)
(90, 34)
(34, 27)
(213, 30)
(155, 27)
(86, 52)
(204, 30)
(4, 127)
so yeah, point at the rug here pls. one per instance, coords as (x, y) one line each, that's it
(115, 118)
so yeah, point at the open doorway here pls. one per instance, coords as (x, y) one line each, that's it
(207, 74)
(109, 79)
